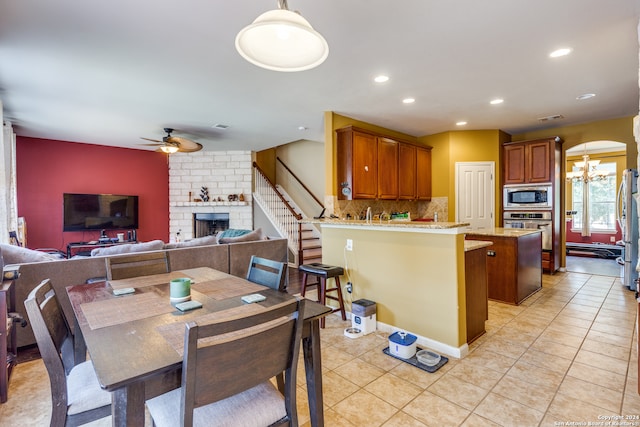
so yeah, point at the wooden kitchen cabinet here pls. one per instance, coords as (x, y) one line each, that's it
(407, 178)
(423, 173)
(387, 169)
(529, 162)
(375, 166)
(514, 264)
(357, 156)
(475, 273)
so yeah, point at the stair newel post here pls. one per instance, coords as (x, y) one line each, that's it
(300, 252)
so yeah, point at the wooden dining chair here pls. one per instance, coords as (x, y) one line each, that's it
(140, 264)
(267, 272)
(226, 369)
(76, 397)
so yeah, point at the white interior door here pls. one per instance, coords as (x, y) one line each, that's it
(475, 193)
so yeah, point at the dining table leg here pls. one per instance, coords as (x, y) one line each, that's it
(313, 371)
(127, 406)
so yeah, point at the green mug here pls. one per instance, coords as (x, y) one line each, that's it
(180, 288)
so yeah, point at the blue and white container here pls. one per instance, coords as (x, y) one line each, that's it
(402, 344)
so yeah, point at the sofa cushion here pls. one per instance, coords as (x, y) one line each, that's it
(12, 254)
(198, 241)
(247, 237)
(153, 245)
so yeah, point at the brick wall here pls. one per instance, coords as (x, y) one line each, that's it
(224, 173)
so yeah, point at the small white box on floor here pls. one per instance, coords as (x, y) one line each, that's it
(402, 344)
(365, 324)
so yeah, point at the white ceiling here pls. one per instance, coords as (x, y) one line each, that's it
(111, 72)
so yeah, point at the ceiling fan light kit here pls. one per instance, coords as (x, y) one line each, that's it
(169, 149)
(282, 40)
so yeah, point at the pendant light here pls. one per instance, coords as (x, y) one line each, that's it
(282, 40)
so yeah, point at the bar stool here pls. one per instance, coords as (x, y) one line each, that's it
(324, 272)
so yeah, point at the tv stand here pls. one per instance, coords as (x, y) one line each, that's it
(75, 248)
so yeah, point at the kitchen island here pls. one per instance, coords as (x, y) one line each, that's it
(514, 262)
(413, 271)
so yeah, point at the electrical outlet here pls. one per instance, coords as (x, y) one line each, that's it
(612, 239)
(349, 245)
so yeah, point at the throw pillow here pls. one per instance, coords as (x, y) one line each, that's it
(17, 255)
(233, 232)
(153, 245)
(247, 237)
(198, 241)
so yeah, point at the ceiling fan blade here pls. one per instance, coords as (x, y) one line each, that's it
(186, 145)
(191, 148)
(152, 140)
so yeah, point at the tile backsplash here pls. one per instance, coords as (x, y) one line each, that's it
(417, 209)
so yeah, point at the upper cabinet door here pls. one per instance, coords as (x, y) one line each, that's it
(514, 164)
(423, 173)
(387, 169)
(407, 178)
(540, 161)
(365, 166)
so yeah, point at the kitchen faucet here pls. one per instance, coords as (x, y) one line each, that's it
(368, 217)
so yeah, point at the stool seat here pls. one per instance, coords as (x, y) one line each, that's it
(324, 272)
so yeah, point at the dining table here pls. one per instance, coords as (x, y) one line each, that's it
(135, 340)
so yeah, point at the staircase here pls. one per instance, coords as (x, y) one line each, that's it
(304, 239)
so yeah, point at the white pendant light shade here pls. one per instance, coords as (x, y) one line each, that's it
(282, 40)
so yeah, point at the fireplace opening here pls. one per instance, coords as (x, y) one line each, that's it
(209, 224)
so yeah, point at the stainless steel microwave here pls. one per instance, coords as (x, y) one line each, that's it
(528, 197)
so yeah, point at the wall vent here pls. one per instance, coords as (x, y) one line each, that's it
(549, 118)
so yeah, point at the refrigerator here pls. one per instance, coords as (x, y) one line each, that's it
(628, 221)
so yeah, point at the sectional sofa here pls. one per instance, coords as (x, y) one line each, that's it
(232, 258)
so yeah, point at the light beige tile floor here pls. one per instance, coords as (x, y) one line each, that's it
(566, 355)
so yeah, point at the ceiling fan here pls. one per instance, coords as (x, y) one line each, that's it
(172, 144)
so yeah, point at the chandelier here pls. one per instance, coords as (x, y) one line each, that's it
(587, 171)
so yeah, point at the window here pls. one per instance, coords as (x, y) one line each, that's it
(602, 201)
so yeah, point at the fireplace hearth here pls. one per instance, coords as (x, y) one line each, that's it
(209, 224)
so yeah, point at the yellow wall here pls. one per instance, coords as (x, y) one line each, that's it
(463, 146)
(416, 279)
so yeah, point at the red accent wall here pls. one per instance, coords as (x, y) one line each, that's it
(46, 169)
(573, 237)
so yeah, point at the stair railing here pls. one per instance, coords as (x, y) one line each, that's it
(304, 187)
(287, 220)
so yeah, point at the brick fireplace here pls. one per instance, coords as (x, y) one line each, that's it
(223, 173)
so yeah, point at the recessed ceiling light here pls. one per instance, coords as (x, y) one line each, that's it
(585, 96)
(496, 101)
(461, 123)
(381, 79)
(220, 126)
(302, 128)
(409, 100)
(560, 52)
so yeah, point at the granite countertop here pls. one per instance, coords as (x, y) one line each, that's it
(504, 232)
(471, 245)
(389, 223)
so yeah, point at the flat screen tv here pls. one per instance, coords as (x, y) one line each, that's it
(99, 211)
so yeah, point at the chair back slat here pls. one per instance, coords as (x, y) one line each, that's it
(142, 264)
(266, 272)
